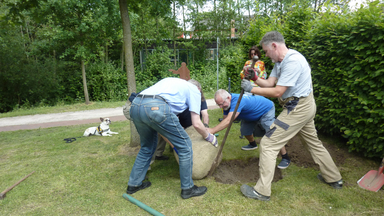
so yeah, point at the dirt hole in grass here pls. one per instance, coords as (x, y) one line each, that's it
(238, 171)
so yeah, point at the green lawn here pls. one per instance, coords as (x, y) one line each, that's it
(61, 108)
(90, 175)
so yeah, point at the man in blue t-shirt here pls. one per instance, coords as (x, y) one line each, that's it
(256, 112)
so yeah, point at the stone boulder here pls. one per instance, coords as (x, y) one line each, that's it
(204, 153)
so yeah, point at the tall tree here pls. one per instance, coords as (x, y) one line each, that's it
(127, 38)
(131, 81)
(83, 27)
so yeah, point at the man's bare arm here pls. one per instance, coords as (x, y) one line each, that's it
(270, 82)
(198, 125)
(223, 124)
(204, 114)
(275, 92)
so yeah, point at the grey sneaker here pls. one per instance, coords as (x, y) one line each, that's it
(251, 193)
(335, 185)
(284, 163)
(249, 147)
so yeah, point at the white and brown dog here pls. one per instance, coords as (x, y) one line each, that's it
(102, 130)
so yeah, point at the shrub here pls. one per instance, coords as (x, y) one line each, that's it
(347, 57)
(106, 82)
(232, 59)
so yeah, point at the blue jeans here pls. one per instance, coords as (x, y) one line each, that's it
(152, 116)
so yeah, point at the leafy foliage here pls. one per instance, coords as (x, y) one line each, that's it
(106, 82)
(347, 57)
(232, 57)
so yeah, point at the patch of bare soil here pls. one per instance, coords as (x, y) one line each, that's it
(237, 171)
(130, 151)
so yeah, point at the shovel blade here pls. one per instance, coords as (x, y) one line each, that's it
(372, 181)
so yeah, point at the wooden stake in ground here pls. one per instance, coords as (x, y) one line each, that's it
(2, 194)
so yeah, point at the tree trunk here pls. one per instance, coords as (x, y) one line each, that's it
(122, 56)
(215, 22)
(84, 82)
(54, 65)
(22, 36)
(106, 53)
(174, 34)
(184, 28)
(131, 81)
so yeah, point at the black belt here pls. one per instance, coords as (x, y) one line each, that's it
(151, 96)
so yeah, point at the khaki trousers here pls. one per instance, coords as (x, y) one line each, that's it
(299, 120)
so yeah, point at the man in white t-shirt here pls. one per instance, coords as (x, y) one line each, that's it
(155, 111)
(290, 81)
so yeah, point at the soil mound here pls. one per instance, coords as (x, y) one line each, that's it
(237, 171)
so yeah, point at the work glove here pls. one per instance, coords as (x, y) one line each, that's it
(250, 74)
(212, 139)
(246, 85)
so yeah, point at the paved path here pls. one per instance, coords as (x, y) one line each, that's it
(67, 118)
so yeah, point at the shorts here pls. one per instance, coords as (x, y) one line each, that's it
(260, 127)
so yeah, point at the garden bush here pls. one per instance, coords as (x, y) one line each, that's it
(346, 53)
(106, 82)
(233, 59)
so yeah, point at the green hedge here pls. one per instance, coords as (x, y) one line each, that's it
(346, 54)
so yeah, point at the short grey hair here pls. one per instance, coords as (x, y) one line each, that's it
(272, 36)
(195, 82)
(198, 85)
(222, 93)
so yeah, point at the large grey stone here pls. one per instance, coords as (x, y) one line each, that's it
(204, 153)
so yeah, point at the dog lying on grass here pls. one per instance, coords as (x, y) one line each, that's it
(102, 130)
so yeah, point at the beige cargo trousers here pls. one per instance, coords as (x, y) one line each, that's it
(297, 117)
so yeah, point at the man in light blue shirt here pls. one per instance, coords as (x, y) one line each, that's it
(154, 111)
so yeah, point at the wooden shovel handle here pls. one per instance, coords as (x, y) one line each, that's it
(213, 167)
(2, 194)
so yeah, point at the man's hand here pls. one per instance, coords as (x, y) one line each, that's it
(246, 85)
(212, 139)
(250, 74)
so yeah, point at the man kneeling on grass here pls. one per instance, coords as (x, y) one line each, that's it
(154, 111)
(257, 114)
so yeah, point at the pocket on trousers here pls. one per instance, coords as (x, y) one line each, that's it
(270, 132)
(128, 111)
(156, 113)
